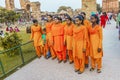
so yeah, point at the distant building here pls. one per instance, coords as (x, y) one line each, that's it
(110, 5)
(89, 6)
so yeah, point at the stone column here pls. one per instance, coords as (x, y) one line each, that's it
(23, 3)
(36, 12)
(10, 4)
(89, 6)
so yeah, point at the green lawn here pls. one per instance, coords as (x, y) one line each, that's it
(27, 50)
(24, 36)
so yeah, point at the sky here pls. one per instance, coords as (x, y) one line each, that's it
(52, 5)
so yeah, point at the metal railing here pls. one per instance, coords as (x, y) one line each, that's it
(8, 64)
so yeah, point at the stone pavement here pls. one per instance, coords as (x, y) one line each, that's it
(42, 69)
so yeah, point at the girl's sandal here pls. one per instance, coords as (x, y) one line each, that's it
(98, 70)
(76, 70)
(91, 69)
(80, 72)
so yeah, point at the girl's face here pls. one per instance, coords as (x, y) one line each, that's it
(77, 21)
(56, 21)
(93, 19)
(49, 18)
(36, 23)
(68, 21)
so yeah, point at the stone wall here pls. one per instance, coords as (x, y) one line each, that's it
(27, 6)
(89, 6)
(110, 5)
(36, 12)
(10, 4)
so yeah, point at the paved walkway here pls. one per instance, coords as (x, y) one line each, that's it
(42, 69)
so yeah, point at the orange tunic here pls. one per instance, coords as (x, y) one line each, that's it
(95, 41)
(48, 26)
(49, 38)
(36, 33)
(64, 23)
(69, 35)
(87, 25)
(58, 36)
(79, 41)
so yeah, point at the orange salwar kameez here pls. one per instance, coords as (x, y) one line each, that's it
(95, 43)
(69, 39)
(58, 40)
(79, 44)
(36, 35)
(87, 24)
(49, 38)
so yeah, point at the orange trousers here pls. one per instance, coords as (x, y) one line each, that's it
(38, 50)
(51, 49)
(44, 50)
(79, 64)
(97, 62)
(86, 59)
(70, 54)
(53, 54)
(87, 54)
(61, 55)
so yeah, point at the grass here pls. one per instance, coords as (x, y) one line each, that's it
(27, 50)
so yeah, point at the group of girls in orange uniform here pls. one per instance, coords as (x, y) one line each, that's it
(80, 41)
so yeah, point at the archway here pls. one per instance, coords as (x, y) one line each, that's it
(28, 7)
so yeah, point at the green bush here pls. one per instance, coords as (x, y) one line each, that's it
(9, 41)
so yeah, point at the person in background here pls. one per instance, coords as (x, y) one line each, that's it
(96, 48)
(11, 29)
(2, 34)
(16, 29)
(118, 22)
(103, 19)
(109, 14)
(7, 28)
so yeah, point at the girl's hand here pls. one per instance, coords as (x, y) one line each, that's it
(84, 50)
(99, 50)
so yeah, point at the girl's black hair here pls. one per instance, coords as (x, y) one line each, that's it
(81, 18)
(69, 18)
(35, 21)
(83, 13)
(58, 18)
(104, 13)
(96, 17)
(50, 16)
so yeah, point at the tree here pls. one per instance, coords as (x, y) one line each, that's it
(8, 16)
(2, 15)
(9, 41)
